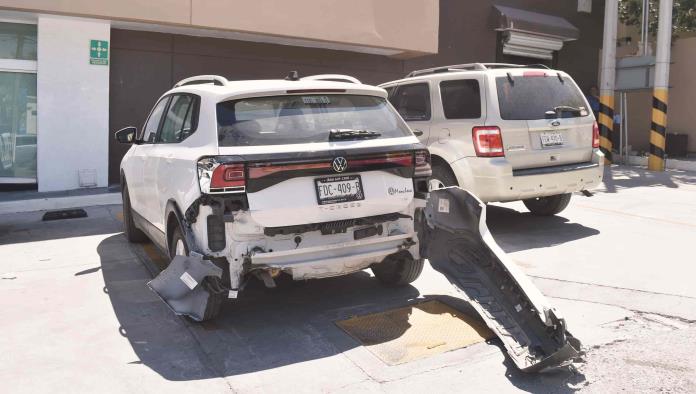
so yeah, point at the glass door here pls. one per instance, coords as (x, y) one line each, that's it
(17, 103)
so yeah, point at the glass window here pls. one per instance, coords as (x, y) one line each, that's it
(17, 41)
(304, 118)
(177, 123)
(461, 99)
(17, 125)
(530, 97)
(412, 101)
(153, 121)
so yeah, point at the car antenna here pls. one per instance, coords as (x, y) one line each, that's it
(293, 76)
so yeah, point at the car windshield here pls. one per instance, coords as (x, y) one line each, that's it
(299, 119)
(531, 97)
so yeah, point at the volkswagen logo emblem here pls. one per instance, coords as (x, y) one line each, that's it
(339, 164)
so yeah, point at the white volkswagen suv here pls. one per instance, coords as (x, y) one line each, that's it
(312, 177)
(504, 132)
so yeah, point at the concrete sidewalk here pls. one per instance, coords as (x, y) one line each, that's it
(78, 316)
(31, 201)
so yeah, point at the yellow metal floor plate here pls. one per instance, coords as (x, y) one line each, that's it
(413, 332)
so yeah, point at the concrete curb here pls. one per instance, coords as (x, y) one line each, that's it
(52, 203)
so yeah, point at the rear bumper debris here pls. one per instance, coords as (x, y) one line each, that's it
(456, 240)
(188, 287)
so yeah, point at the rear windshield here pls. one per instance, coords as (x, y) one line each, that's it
(527, 98)
(280, 120)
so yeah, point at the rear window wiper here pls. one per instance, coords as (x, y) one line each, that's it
(567, 108)
(352, 134)
(564, 108)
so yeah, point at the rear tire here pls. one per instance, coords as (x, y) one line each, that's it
(398, 269)
(547, 206)
(133, 234)
(177, 244)
(214, 286)
(442, 177)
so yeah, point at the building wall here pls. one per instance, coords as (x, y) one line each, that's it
(467, 35)
(682, 96)
(72, 103)
(407, 30)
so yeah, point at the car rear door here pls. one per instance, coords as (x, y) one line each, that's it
(544, 119)
(168, 160)
(413, 102)
(461, 107)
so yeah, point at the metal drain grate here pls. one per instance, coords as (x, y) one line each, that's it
(64, 214)
(413, 332)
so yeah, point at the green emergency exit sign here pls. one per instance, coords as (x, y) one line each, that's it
(99, 52)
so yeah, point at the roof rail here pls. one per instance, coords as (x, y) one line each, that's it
(444, 69)
(202, 79)
(472, 67)
(332, 77)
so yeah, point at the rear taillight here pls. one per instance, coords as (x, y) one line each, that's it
(421, 164)
(595, 135)
(215, 177)
(487, 141)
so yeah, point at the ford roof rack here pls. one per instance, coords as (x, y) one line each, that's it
(203, 79)
(471, 67)
(332, 77)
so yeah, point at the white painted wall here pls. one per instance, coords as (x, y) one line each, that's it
(73, 103)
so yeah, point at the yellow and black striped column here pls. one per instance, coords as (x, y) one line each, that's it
(606, 124)
(658, 127)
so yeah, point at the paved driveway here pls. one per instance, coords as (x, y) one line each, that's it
(77, 316)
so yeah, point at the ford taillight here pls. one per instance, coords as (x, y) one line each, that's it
(421, 164)
(595, 135)
(215, 177)
(488, 142)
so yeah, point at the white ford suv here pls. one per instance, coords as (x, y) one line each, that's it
(504, 132)
(313, 177)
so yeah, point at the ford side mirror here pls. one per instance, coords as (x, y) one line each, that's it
(127, 135)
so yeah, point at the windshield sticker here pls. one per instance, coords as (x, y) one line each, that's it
(316, 100)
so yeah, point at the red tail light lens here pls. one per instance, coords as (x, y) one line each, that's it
(422, 167)
(595, 135)
(488, 142)
(228, 175)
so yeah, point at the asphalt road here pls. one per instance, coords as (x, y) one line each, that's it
(77, 316)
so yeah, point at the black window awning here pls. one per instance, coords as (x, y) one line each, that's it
(523, 21)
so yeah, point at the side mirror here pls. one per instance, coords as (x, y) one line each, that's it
(126, 135)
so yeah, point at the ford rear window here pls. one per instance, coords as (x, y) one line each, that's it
(539, 97)
(296, 119)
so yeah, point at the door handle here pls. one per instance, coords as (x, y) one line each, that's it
(417, 132)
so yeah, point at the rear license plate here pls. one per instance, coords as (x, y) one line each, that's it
(338, 189)
(552, 138)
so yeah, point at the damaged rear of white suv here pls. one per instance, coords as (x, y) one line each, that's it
(312, 177)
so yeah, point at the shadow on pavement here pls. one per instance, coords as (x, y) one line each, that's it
(624, 177)
(560, 381)
(264, 329)
(515, 231)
